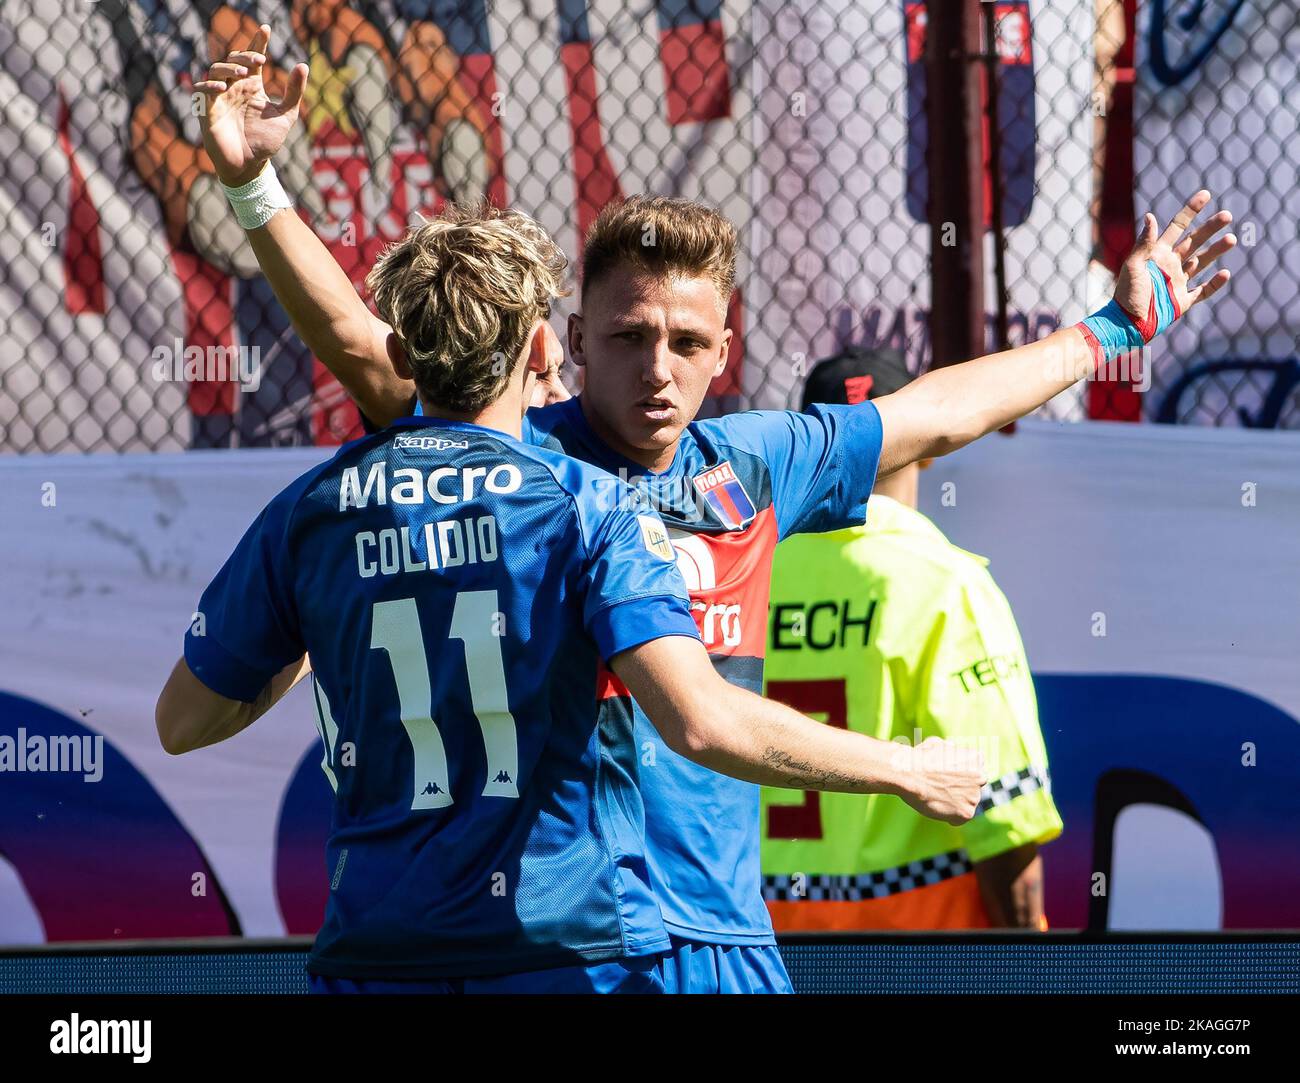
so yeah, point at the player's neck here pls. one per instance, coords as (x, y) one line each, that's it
(505, 415)
(901, 485)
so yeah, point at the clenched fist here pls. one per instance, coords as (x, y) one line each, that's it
(941, 779)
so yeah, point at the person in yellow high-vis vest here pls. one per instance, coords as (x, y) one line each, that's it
(891, 630)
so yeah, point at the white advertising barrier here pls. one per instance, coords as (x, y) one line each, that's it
(97, 592)
(1150, 532)
(1187, 542)
(1155, 576)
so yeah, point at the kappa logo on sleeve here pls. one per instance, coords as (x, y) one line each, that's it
(429, 443)
(725, 495)
(655, 537)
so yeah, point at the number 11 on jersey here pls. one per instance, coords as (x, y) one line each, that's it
(475, 622)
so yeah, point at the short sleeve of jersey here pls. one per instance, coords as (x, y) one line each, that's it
(822, 463)
(977, 689)
(246, 628)
(634, 592)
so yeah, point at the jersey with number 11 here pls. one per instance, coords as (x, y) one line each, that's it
(459, 593)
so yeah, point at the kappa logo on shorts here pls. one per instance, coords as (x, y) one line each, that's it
(429, 443)
(655, 537)
(725, 495)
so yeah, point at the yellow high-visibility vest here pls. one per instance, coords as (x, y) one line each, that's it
(891, 630)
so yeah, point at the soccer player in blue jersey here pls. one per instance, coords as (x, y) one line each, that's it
(461, 594)
(651, 335)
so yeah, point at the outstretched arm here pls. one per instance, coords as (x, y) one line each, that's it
(242, 130)
(732, 731)
(949, 407)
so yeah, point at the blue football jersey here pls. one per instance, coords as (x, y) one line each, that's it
(737, 485)
(459, 593)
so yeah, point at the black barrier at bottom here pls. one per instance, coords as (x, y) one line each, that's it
(892, 964)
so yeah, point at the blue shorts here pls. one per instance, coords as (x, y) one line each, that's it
(642, 974)
(696, 967)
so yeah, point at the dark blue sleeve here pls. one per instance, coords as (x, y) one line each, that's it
(246, 627)
(634, 592)
(822, 463)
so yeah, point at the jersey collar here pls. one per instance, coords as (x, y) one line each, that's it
(425, 422)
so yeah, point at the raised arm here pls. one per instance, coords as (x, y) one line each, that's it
(949, 407)
(242, 130)
(330, 317)
(732, 731)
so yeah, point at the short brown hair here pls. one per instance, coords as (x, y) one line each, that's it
(461, 293)
(664, 236)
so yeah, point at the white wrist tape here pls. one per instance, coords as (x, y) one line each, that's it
(257, 201)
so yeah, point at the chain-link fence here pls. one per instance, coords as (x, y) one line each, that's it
(133, 317)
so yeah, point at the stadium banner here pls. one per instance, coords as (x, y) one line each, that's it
(135, 315)
(1215, 82)
(1151, 570)
(129, 297)
(134, 293)
(840, 236)
(1163, 654)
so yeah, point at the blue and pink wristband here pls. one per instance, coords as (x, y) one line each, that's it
(1111, 331)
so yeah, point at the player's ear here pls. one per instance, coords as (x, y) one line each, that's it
(539, 348)
(397, 355)
(575, 340)
(723, 352)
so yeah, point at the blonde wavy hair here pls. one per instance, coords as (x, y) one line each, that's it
(462, 292)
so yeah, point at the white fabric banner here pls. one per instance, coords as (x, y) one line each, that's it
(105, 557)
(1152, 571)
(1182, 540)
(1185, 538)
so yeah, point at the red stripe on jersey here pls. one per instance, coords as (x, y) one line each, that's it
(729, 576)
(608, 686)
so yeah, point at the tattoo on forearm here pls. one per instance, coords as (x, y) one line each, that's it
(802, 775)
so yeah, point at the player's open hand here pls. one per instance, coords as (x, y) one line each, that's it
(943, 779)
(242, 127)
(1181, 253)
